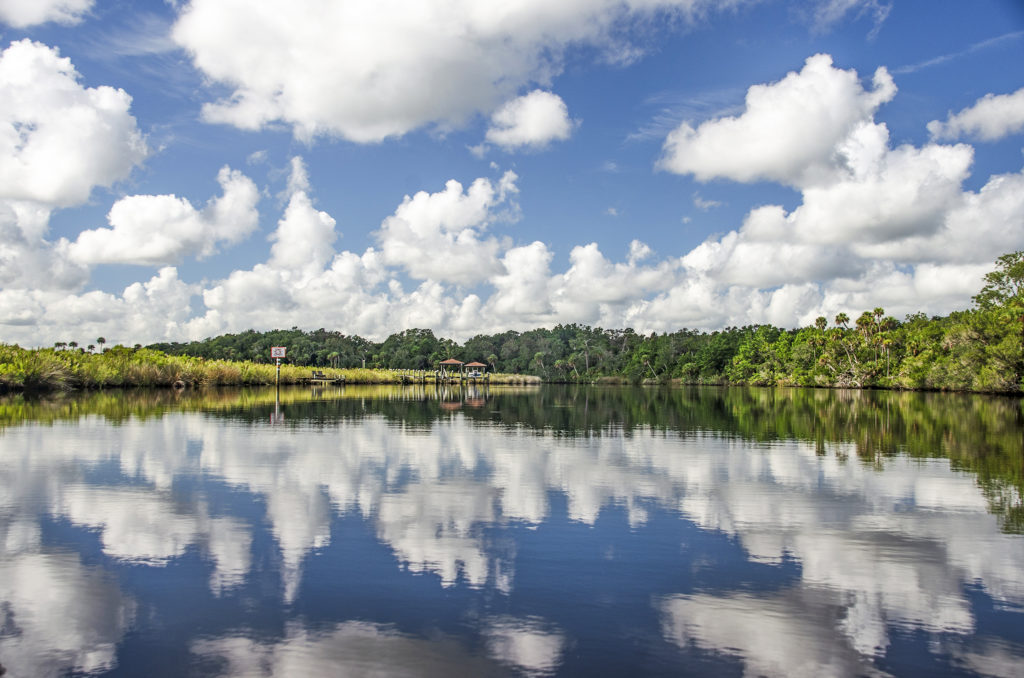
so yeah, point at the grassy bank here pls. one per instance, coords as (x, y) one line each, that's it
(50, 369)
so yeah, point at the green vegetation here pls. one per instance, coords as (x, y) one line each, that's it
(51, 369)
(66, 369)
(981, 350)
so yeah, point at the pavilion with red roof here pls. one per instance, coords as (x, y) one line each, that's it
(452, 363)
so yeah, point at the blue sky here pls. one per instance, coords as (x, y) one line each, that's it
(176, 170)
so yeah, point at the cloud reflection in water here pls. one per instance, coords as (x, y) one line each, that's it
(878, 548)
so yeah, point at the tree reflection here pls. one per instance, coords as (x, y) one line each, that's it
(881, 500)
(983, 435)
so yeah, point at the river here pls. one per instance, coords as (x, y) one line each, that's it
(511, 531)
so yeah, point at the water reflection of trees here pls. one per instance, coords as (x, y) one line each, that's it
(983, 435)
(451, 492)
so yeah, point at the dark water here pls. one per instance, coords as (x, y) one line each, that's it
(533, 532)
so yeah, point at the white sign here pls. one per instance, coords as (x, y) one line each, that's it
(277, 351)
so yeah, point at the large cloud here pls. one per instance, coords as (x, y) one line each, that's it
(992, 117)
(436, 236)
(842, 228)
(29, 261)
(145, 311)
(373, 69)
(788, 131)
(24, 13)
(59, 139)
(877, 225)
(303, 239)
(162, 229)
(594, 285)
(779, 267)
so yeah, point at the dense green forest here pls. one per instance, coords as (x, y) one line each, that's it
(981, 349)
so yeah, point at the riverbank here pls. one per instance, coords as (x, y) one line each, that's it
(49, 369)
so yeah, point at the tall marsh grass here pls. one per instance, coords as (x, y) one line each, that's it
(47, 369)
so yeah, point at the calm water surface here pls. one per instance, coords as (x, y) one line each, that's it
(588, 531)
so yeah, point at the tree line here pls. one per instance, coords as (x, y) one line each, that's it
(980, 349)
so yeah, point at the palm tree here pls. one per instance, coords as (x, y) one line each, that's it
(885, 328)
(842, 320)
(493, 359)
(821, 322)
(582, 343)
(865, 323)
(867, 326)
(571, 362)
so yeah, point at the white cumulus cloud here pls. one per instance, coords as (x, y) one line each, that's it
(438, 236)
(787, 132)
(593, 286)
(876, 224)
(532, 121)
(31, 262)
(163, 229)
(523, 291)
(145, 311)
(58, 139)
(992, 117)
(372, 69)
(25, 13)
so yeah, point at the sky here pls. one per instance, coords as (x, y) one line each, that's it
(172, 170)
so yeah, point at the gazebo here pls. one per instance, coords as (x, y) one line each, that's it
(452, 363)
(476, 366)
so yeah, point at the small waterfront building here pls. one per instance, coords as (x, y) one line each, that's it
(451, 363)
(477, 368)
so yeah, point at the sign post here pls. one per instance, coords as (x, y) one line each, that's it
(278, 353)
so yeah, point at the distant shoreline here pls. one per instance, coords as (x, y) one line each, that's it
(44, 371)
(50, 370)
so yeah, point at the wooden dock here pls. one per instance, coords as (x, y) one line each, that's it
(405, 377)
(320, 378)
